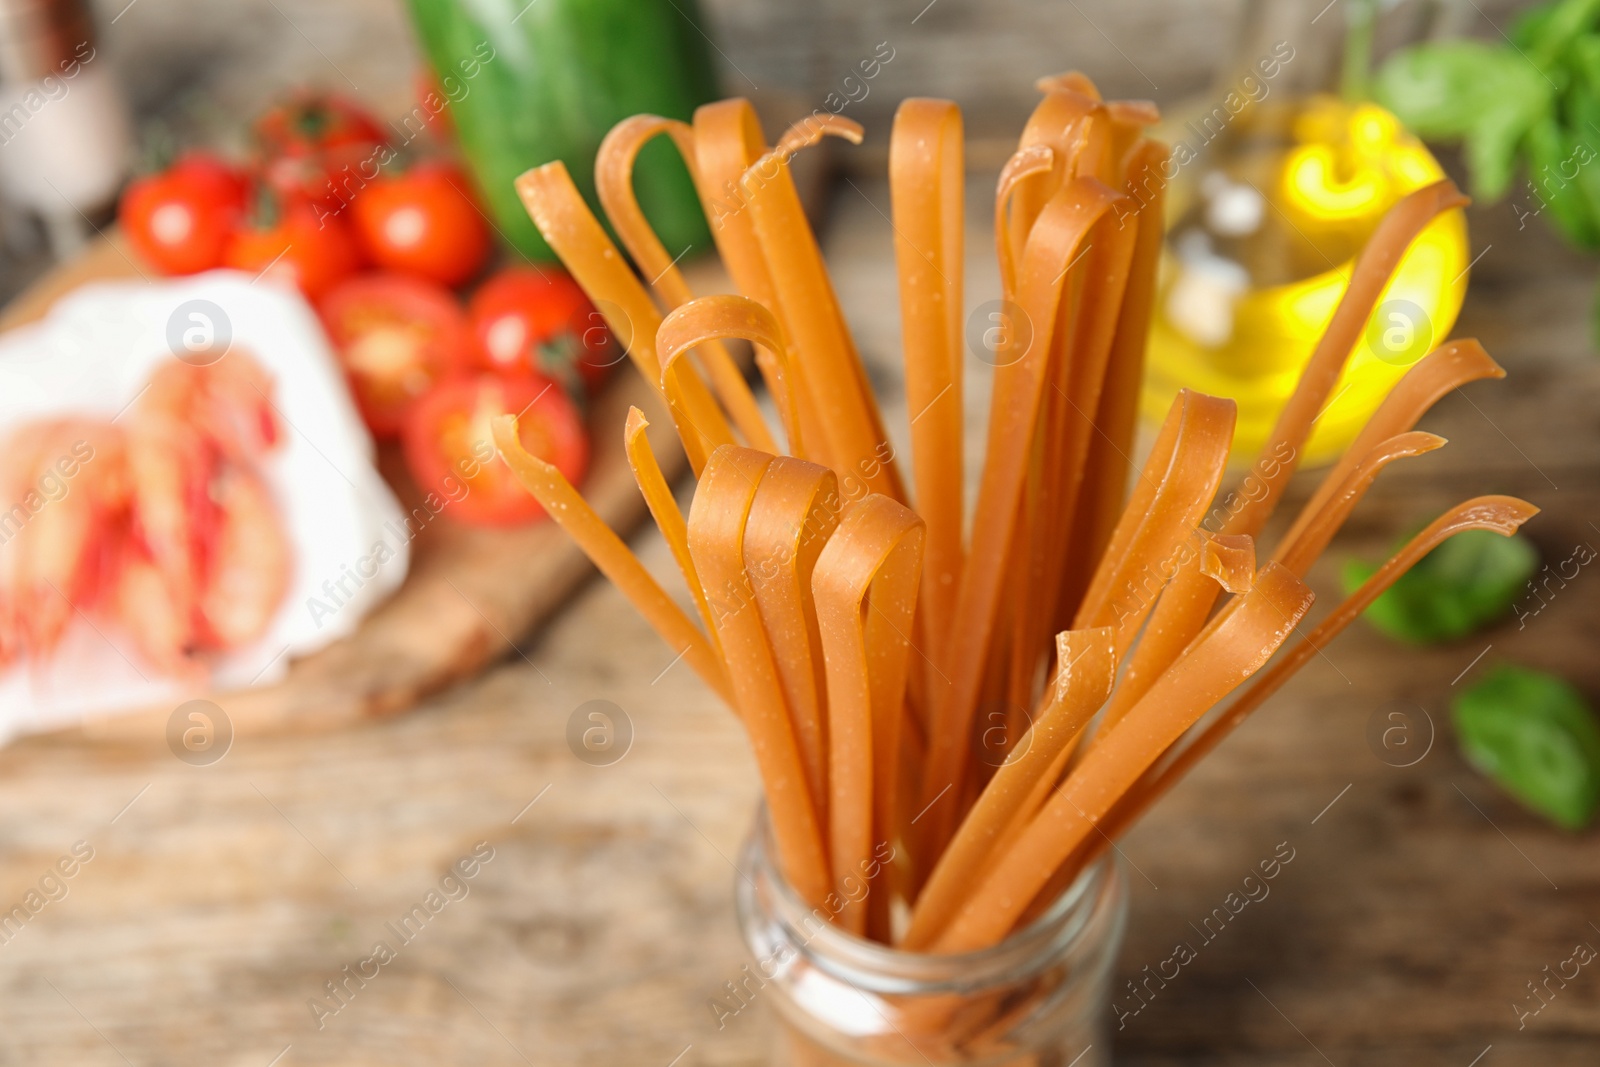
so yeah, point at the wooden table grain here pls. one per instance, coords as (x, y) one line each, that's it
(220, 901)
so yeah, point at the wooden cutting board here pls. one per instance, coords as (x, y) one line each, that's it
(470, 595)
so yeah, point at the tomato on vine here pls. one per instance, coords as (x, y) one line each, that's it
(179, 220)
(422, 220)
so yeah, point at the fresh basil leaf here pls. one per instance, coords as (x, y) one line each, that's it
(1589, 183)
(1580, 108)
(1491, 148)
(1581, 118)
(1535, 737)
(1545, 33)
(1583, 60)
(1531, 28)
(1466, 583)
(1434, 89)
(1482, 93)
(1556, 162)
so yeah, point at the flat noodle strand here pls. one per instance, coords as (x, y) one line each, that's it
(710, 318)
(1301, 551)
(1183, 610)
(1226, 657)
(613, 179)
(794, 515)
(611, 556)
(1053, 117)
(1374, 268)
(1063, 227)
(1089, 665)
(1503, 515)
(567, 225)
(1154, 538)
(1107, 266)
(722, 503)
(1440, 372)
(926, 191)
(1180, 477)
(727, 140)
(702, 427)
(1032, 164)
(865, 586)
(1111, 449)
(664, 509)
(832, 383)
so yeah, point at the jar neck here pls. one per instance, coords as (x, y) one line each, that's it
(1087, 916)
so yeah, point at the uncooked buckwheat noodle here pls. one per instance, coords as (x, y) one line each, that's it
(926, 186)
(857, 628)
(613, 179)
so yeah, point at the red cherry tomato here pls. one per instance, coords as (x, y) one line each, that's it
(396, 337)
(309, 140)
(423, 221)
(179, 220)
(297, 248)
(449, 444)
(227, 183)
(528, 318)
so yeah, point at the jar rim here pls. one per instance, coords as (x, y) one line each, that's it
(887, 969)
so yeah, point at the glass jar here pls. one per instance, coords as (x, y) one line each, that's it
(1039, 998)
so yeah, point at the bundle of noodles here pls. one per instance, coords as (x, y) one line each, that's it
(848, 617)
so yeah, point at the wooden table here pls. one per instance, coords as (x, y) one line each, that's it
(220, 899)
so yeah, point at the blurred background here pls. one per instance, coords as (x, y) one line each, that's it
(194, 74)
(229, 776)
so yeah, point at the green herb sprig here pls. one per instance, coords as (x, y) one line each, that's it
(1534, 99)
(1536, 737)
(1466, 583)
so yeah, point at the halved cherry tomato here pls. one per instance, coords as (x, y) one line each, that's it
(295, 247)
(449, 444)
(423, 220)
(537, 318)
(308, 141)
(179, 220)
(396, 337)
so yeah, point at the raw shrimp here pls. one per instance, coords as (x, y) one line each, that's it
(205, 522)
(249, 562)
(228, 402)
(66, 482)
(162, 525)
(140, 603)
